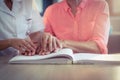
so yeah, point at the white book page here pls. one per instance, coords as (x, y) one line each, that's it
(109, 57)
(90, 57)
(63, 52)
(85, 56)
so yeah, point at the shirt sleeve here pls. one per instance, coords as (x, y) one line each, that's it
(46, 20)
(37, 22)
(101, 29)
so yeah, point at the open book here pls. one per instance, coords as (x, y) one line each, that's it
(66, 56)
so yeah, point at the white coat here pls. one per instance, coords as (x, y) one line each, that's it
(19, 21)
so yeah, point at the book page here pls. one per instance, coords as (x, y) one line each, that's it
(109, 57)
(64, 53)
(85, 56)
(97, 58)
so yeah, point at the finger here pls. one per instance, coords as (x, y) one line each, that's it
(31, 44)
(38, 49)
(50, 44)
(54, 43)
(28, 47)
(45, 39)
(29, 54)
(26, 54)
(22, 53)
(56, 50)
(33, 53)
(41, 52)
(41, 42)
(45, 52)
(20, 48)
(58, 43)
(26, 50)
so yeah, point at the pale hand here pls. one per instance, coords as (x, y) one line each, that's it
(25, 46)
(48, 44)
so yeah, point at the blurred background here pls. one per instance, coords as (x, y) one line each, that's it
(114, 6)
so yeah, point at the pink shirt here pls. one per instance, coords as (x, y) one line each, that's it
(90, 23)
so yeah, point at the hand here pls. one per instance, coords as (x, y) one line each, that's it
(48, 43)
(25, 46)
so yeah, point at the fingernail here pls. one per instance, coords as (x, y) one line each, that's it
(47, 53)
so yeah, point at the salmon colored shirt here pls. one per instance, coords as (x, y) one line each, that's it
(91, 22)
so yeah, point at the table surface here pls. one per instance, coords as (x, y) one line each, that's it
(56, 72)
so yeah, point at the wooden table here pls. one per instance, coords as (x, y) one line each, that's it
(56, 72)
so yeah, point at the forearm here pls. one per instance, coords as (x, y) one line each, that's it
(4, 44)
(88, 46)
